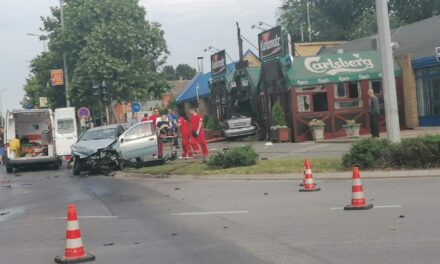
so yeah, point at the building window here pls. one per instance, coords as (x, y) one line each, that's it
(348, 104)
(354, 90)
(340, 90)
(320, 103)
(376, 86)
(303, 103)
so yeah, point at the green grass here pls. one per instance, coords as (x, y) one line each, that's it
(278, 166)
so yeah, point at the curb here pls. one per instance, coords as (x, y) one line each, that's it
(293, 176)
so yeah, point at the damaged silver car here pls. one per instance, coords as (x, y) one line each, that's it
(96, 150)
(109, 147)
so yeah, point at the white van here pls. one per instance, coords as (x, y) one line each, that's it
(66, 130)
(44, 138)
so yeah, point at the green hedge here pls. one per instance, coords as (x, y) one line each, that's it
(422, 152)
(235, 157)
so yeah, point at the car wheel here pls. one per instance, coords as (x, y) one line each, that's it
(77, 167)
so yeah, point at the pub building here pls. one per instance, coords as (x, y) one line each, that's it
(331, 87)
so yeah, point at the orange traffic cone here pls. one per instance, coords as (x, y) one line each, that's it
(74, 252)
(308, 183)
(358, 195)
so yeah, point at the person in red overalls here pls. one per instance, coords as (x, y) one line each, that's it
(185, 131)
(154, 117)
(198, 134)
(145, 118)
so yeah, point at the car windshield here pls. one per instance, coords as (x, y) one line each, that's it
(107, 133)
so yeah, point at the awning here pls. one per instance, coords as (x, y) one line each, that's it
(252, 75)
(334, 68)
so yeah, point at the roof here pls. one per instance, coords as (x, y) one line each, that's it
(253, 75)
(334, 68)
(313, 48)
(178, 86)
(200, 80)
(419, 39)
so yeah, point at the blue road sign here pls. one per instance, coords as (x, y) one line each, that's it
(136, 107)
(83, 112)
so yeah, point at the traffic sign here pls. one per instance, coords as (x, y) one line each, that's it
(437, 53)
(136, 107)
(43, 101)
(57, 77)
(83, 112)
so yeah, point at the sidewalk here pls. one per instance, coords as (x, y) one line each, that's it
(409, 133)
(294, 176)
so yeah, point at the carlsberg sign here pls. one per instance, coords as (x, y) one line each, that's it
(333, 66)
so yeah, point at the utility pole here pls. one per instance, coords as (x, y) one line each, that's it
(66, 71)
(302, 32)
(388, 79)
(240, 43)
(308, 21)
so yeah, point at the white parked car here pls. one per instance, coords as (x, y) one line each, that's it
(238, 126)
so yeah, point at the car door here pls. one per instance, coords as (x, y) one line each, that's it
(139, 141)
(65, 130)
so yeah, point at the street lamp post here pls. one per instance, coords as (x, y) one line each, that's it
(66, 72)
(43, 38)
(388, 79)
(1, 108)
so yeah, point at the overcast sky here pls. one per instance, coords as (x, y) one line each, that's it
(190, 27)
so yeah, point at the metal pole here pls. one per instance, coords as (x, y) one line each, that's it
(66, 72)
(388, 80)
(302, 32)
(308, 21)
(1, 108)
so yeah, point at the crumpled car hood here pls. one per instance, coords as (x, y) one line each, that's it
(89, 147)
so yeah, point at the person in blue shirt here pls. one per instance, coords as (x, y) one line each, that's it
(173, 120)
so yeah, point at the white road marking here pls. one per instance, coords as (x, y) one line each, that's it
(211, 213)
(376, 206)
(87, 217)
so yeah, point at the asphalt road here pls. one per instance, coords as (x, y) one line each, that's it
(289, 150)
(200, 222)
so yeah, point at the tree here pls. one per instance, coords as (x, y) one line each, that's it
(367, 24)
(105, 40)
(169, 72)
(330, 20)
(410, 11)
(185, 72)
(347, 19)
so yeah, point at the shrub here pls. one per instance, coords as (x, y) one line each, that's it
(205, 120)
(212, 124)
(235, 157)
(423, 152)
(278, 118)
(411, 153)
(366, 154)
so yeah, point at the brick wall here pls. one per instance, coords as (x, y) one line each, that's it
(409, 92)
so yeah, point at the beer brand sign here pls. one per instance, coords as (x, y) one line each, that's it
(218, 63)
(270, 43)
(334, 66)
